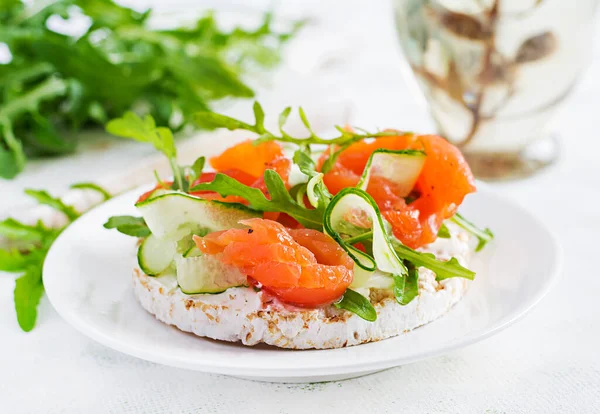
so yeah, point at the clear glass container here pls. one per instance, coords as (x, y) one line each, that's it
(495, 72)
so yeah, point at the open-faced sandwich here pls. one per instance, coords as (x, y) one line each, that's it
(347, 240)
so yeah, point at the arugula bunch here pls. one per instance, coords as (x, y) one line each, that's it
(55, 83)
(29, 245)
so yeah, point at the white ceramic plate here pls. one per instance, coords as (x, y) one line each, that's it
(88, 274)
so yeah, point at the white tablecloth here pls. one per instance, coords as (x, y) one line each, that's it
(546, 363)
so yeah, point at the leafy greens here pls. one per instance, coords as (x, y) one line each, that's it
(129, 225)
(29, 245)
(213, 120)
(56, 83)
(280, 201)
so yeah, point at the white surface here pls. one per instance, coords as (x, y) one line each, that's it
(90, 286)
(546, 363)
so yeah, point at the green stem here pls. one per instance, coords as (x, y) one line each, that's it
(176, 173)
(442, 269)
(484, 235)
(12, 143)
(314, 139)
(359, 238)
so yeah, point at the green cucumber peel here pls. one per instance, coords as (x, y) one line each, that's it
(401, 167)
(236, 206)
(393, 251)
(384, 257)
(316, 191)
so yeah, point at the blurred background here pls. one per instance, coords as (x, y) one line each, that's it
(345, 64)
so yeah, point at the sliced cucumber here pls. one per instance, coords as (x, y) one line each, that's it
(168, 279)
(174, 215)
(193, 251)
(158, 192)
(155, 255)
(206, 274)
(187, 244)
(376, 280)
(354, 201)
(311, 194)
(400, 167)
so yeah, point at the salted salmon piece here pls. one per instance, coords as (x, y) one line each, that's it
(145, 196)
(324, 248)
(355, 157)
(248, 157)
(340, 177)
(241, 162)
(441, 187)
(234, 173)
(445, 179)
(302, 267)
(281, 166)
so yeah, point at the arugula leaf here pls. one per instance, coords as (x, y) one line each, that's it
(195, 170)
(94, 187)
(43, 197)
(406, 288)
(484, 235)
(283, 116)
(356, 303)
(13, 158)
(281, 200)
(28, 292)
(15, 230)
(443, 232)
(212, 120)
(443, 270)
(29, 287)
(9, 166)
(259, 116)
(109, 14)
(305, 163)
(12, 261)
(332, 159)
(129, 225)
(305, 120)
(45, 138)
(132, 126)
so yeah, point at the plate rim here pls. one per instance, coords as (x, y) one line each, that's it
(92, 331)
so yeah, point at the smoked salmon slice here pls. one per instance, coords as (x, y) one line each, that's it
(441, 187)
(301, 267)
